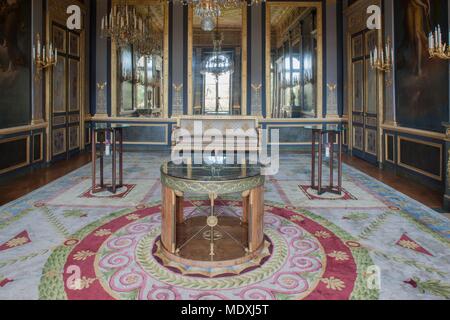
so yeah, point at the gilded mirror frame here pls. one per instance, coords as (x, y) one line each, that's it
(165, 103)
(320, 78)
(244, 53)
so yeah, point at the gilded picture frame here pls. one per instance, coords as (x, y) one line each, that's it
(319, 36)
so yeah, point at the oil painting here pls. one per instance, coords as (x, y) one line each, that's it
(15, 56)
(421, 82)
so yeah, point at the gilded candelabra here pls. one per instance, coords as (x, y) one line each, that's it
(381, 58)
(436, 47)
(45, 56)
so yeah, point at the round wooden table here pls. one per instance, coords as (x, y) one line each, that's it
(212, 239)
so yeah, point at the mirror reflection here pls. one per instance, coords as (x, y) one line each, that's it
(140, 68)
(294, 61)
(217, 63)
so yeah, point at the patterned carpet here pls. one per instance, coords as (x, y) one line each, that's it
(317, 247)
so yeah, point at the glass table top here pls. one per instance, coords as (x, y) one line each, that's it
(212, 170)
(108, 126)
(326, 127)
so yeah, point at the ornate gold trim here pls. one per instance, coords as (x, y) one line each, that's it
(386, 148)
(101, 118)
(211, 187)
(321, 80)
(31, 127)
(42, 147)
(244, 54)
(56, 12)
(416, 132)
(115, 113)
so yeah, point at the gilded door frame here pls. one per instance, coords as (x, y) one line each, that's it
(244, 53)
(57, 13)
(115, 112)
(356, 16)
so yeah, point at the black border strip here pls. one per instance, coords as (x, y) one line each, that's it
(263, 58)
(93, 57)
(185, 56)
(249, 60)
(340, 56)
(170, 71)
(324, 59)
(108, 71)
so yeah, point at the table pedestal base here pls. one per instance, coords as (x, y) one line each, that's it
(212, 240)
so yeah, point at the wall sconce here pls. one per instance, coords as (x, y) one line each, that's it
(44, 56)
(436, 47)
(381, 59)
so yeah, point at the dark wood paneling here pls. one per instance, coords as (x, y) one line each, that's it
(146, 134)
(421, 156)
(37, 147)
(390, 148)
(14, 153)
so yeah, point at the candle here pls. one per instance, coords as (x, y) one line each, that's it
(439, 35)
(387, 52)
(38, 47)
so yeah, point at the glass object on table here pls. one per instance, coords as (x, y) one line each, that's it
(213, 169)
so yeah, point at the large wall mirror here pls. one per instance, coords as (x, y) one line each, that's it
(217, 63)
(294, 60)
(140, 71)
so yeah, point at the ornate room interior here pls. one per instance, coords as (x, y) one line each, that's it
(93, 206)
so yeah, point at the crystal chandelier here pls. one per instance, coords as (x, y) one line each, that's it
(208, 10)
(151, 41)
(218, 63)
(123, 25)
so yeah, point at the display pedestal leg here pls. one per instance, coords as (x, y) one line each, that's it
(256, 219)
(168, 235)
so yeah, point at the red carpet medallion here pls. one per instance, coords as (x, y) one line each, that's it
(306, 257)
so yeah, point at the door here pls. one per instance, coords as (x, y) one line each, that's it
(66, 94)
(365, 97)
